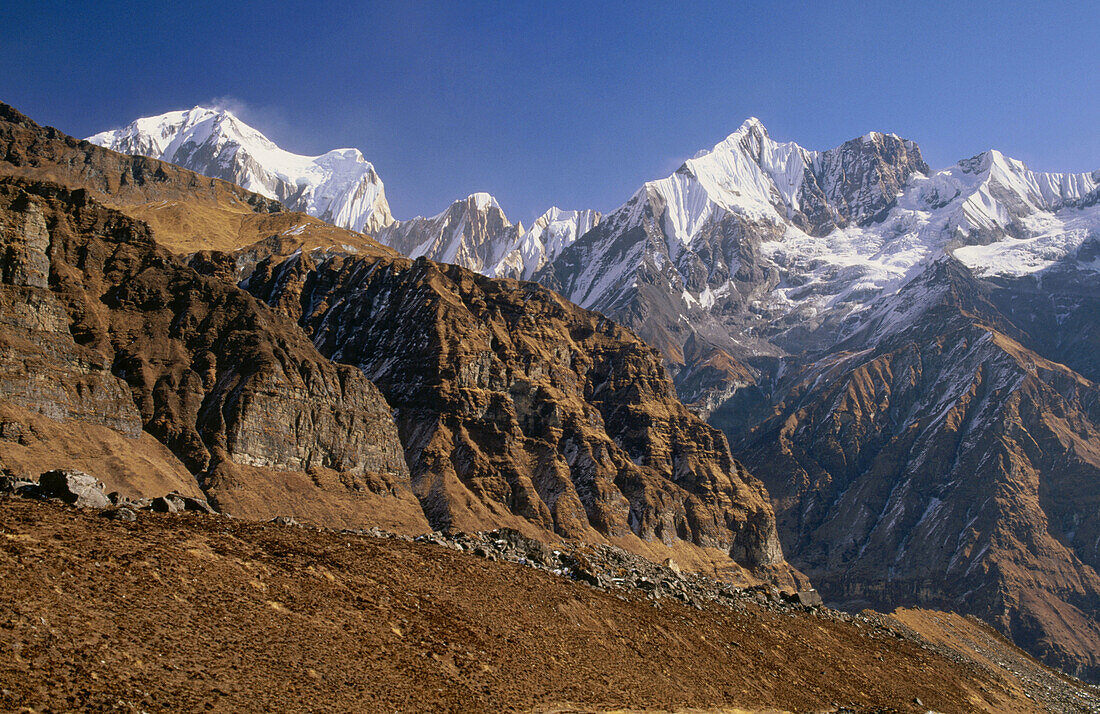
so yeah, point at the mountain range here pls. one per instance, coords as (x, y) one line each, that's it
(500, 406)
(905, 357)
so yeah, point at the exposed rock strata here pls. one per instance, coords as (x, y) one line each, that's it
(517, 408)
(104, 327)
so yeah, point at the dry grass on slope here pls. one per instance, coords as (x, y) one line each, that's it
(188, 612)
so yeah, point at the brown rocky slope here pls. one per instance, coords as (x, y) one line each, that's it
(189, 612)
(518, 408)
(106, 331)
(950, 466)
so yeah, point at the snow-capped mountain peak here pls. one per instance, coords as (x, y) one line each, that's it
(482, 201)
(340, 186)
(760, 247)
(763, 180)
(474, 232)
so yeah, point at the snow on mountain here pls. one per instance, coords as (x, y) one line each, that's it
(550, 234)
(475, 233)
(823, 230)
(340, 186)
(471, 232)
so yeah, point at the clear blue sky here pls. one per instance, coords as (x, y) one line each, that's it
(570, 103)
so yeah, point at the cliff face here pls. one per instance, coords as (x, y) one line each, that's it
(518, 408)
(105, 328)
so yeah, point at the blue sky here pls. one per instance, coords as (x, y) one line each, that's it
(570, 103)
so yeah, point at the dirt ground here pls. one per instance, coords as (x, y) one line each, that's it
(206, 613)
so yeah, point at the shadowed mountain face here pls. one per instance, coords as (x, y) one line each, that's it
(949, 464)
(516, 407)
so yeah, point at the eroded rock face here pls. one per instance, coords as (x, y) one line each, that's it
(42, 368)
(517, 408)
(103, 325)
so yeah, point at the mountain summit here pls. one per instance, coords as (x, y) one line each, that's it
(340, 186)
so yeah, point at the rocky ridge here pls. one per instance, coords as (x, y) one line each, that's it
(187, 211)
(517, 408)
(475, 234)
(104, 329)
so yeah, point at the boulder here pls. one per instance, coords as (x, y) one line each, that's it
(121, 513)
(191, 504)
(73, 487)
(172, 503)
(806, 598)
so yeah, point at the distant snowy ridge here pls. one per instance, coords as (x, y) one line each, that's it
(834, 227)
(340, 186)
(343, 188)
(476, 234)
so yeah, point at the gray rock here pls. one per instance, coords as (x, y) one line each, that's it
(168, 504)
(284, 521)
(73, 487)
(121, 513)
(14, 484)
(191, 504)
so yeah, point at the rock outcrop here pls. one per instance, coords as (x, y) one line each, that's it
(517, 408)
(103, 328)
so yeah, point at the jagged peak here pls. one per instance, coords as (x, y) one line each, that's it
(482, 201)
(750, 125)
(873, 137)
(993, 161)
(477, 202)
(339, 186)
